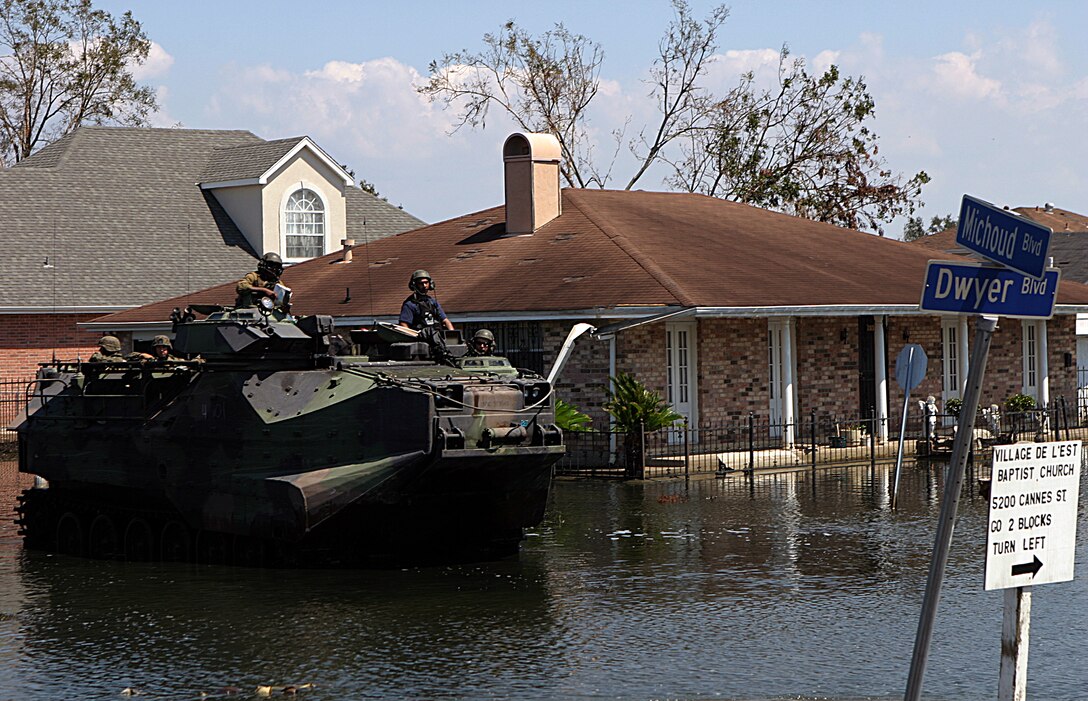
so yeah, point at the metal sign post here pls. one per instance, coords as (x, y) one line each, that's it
(910, 370)
(949, 505)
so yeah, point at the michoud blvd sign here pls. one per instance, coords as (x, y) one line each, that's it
(1003, 236)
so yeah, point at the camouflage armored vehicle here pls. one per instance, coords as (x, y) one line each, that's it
(268, 448)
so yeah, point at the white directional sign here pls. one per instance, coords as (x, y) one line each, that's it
(1032, 530)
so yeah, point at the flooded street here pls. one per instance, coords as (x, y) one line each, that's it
(796, 584)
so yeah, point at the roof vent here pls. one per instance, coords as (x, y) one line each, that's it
(531, 169)
(1048, 207)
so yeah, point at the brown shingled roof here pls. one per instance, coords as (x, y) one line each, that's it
(1068, 245)
(610, 249)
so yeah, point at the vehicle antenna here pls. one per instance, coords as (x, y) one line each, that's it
(53, 266)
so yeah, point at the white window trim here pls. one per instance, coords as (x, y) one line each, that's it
(692, 328)
(312, 187)
(950, 366)
(1029, 348)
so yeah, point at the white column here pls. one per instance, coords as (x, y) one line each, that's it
(881, 377)
(1044, 365)
(611, 374)
(788, 417)
(964, 354)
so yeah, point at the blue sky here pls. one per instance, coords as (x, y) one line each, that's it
(989, 98)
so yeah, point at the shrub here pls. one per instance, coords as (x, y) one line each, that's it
(953, 406)
(1019, 402)
(632, 405)
(570, 419)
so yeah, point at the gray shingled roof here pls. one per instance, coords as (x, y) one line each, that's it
(245, 162)
(120, 216)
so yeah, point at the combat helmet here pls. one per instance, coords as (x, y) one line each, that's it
(161, 341)
(271, 264)
(486, 337)
(413, 282)
(111, 344)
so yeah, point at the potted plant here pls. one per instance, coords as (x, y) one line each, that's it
(953, 406)
(1019, 403)
(851, 433)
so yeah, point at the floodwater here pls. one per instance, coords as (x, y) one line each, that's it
(794, 585)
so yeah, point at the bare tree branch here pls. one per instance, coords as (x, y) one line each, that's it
(802, 147)
(64, 64)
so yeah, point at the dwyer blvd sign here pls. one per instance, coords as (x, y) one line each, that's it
(971, 288)
(1032, 533)
(1003, 237)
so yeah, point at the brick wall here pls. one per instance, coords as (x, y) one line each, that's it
(732, 364)
(28, 339)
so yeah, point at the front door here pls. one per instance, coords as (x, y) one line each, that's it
(866, 367)
(680, 362)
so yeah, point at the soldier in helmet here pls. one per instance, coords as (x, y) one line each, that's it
(261, 283)
(482, 343)
(161, 348)
(109, 351)
(422, 311)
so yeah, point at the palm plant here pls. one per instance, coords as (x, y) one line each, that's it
(569, 418)
(635, 408)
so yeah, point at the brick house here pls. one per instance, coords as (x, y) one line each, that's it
(1069, 251)
(106, 219)
(724, 308)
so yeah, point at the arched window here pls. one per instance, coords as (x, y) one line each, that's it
(304, 222)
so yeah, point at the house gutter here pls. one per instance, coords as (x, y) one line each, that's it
(637, 314)
(63, 310)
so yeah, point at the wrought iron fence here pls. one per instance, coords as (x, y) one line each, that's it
(757, 443)
(12, 401)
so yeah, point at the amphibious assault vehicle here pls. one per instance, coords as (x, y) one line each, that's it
(273, 445)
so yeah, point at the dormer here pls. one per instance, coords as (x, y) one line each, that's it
(286, 196)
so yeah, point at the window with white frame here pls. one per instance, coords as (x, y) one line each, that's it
(950, 349)
(1031, 359)
(304, 225)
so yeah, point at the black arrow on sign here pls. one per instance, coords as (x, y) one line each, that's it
(1032, 567)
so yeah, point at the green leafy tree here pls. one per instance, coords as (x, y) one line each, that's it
(570, 419)
(804, 147)
(65, 64)
(914, 229)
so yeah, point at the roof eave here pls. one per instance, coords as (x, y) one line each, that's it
(306, 143)
(101, 309)
(230, 183)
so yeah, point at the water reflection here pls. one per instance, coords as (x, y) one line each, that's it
(797, 583)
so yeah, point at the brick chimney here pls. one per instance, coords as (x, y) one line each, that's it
(531, 164)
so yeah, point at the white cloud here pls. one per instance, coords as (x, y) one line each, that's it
(955, 74)
(340, 72)
(158, 63)
(824, 60)
(162, 117)
(1039, 48)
